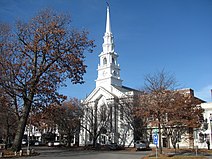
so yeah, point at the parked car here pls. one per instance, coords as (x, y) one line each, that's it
(36, 143)
(56, 143)
(140, 145)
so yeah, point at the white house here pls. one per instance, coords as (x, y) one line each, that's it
(205, 134)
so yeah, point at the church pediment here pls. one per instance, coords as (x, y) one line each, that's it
(97, 93)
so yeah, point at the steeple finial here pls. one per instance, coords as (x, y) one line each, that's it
(108, 27)
(107, 3)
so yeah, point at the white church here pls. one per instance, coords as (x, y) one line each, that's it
(106, 117)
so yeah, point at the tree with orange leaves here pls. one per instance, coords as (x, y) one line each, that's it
(167, 109)
(36, 58)
(185, 116)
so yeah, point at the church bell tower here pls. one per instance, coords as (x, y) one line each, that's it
(108, 67)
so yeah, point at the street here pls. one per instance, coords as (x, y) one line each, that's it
(49, 153)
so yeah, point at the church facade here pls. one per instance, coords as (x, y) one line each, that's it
(107, 114)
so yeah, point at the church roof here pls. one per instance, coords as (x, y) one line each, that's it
(125, 89)
(97, 93)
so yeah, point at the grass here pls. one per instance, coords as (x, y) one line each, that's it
(180, 154)
(174, 157)
(179, 157)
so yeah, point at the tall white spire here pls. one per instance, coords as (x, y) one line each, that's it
(108, 27)
(108, 45)
(108, 68)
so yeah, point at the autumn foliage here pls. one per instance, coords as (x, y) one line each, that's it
(173, 112)
(36, 58)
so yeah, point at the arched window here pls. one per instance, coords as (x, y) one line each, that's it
(104, 61)
(114, 73)
(113, 61)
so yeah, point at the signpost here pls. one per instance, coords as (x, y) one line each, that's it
(155, 140)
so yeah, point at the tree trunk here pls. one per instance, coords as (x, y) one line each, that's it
(7, 133)
(160, 137)
(21, 126)
(95, 126)
(191, 138)
(69, 139)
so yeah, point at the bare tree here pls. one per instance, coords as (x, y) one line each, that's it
(96, 120)
(69, 119)
(37, 59)
(128, 119)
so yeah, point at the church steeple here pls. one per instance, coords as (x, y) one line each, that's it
(108, 45)
(108, 68)
(108, 27)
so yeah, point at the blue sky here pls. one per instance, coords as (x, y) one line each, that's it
(149, 35)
